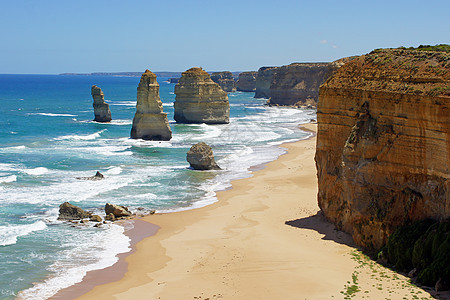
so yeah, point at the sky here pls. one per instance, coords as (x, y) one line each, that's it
(80, 36)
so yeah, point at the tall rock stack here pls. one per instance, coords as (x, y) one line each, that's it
(247, 82)
(383, 143)
(150, 122)
(225, 80)
(298, 83)
(263, 81)
(200, 100)
(101, 109)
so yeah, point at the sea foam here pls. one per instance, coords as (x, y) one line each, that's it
(10, 233)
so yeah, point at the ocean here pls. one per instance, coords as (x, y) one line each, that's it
(48, 138)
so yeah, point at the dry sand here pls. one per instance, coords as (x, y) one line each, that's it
(263, 239)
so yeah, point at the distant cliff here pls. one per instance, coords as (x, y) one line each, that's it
(298, 83)
(383, 144)
(225, 80)
(247, 82)
(263, 81)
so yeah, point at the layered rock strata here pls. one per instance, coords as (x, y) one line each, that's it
(263, 82)
(298, 83)
(246, 82)
(200, 100)
(150, 122)
(101, 109)
(201, 157)
(383, 143)
(225, 80)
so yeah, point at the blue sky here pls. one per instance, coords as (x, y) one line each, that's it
(55, 36)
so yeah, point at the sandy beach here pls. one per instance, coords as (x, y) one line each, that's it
(264, 239)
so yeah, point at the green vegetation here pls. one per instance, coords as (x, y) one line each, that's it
(424, 245)
(438, 48)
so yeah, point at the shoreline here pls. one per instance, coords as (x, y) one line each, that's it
(263, 239)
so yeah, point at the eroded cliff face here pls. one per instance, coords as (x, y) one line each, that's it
(383, 144)
(200, 100)
(247, 82)
(263, 82)
(298, 83)
(150, 122)
(225, 80)
(101, 109)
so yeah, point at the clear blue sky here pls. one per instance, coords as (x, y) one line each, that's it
(55, 36)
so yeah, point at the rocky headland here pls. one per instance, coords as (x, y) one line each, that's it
(200, 100)
(101, 109)
(246, 82)
(150, 122)
(263, 82)
(298, 83)
(225, 80)
(383, 143)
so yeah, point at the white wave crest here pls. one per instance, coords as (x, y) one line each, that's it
(10, 233)
(51, 115)
(36, 171)
(80, 137)
(8, 179)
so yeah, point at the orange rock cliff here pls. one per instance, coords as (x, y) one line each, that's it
(383, 146)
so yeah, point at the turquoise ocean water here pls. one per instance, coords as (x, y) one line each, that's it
(48, 138)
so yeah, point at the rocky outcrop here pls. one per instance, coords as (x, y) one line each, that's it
(97, 176)
(225, 80)
(116, 210)
(173, 80)
(246, 82)
(101, 109)
(201, 157)
(298, 83)
(263, 82)
(150, 122)
(200, 100)
(69, 211)
(383, 143)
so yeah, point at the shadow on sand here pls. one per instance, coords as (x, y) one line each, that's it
(319, 223)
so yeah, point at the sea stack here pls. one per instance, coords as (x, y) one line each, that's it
(150, 122)
(101, 109)
(263, 82)
(225, 80)
(383, 143)
(200, 100)
(247, 82)
(201, 157)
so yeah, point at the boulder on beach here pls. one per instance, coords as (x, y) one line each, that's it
(201, 157)
(117, 210)
(69, 211)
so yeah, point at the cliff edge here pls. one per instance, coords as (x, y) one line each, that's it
(383, 144)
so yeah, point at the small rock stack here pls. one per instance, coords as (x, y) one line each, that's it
(101, 109)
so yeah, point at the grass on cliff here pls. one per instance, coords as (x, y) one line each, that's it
(436, 48)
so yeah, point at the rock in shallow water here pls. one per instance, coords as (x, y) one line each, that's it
(117, 210)
(201, 157)
(68, 212)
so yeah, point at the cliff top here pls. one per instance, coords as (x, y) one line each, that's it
(149, 73)
(408, 71)
(196, 71)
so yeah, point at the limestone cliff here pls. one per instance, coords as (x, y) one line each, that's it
(200, 100)
(383, 143)
(225, 80)
(298, 83)
(101, 109)
(246, 82)
(263, 81)
(150, 123)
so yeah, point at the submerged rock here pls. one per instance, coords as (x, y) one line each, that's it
(201, 157)
(69, 211)
(225, 80)
(200, 100)
(150, 122)
(97, 176)
(116, 210)
(101, 109)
